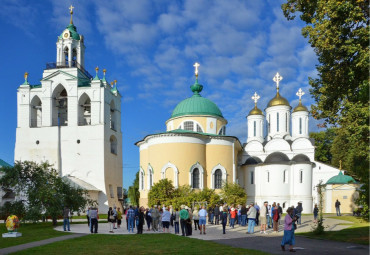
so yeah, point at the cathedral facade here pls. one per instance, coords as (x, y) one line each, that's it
(73, 121)
(195, 150)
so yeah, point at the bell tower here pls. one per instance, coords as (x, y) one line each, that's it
(70, 46)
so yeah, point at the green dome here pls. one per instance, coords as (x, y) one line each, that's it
(73, 32)
(196, 105)
(341, 179)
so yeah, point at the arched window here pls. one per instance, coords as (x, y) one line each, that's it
(150, 177)
(36, 112)
(222, 131)
(300, 126)
(300, 176)
(252, 177)
(195, 179)
(113, 144)
(112, 116)
(268, 176)
(141, 180)
(286, 122)
(66, 56)
(254, 128)
(189, 125)
(269, 125)
(74, 57)
(218, 179)
(285, 176)
(277, 122)
(60, 106)
(84, 110)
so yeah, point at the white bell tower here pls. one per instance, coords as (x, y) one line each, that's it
(300, 119)
(255, 122)
(70, 47)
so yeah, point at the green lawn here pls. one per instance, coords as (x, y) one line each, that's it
(136, 244)
(30, 232)
(357, 233)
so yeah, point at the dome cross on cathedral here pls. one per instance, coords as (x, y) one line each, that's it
(255, 98)
(71, 12)
(196, 65)
(300, 93)
(277, 78)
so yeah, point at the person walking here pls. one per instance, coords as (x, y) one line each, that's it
(177, 221)
(337, 207)
(216, 212)
(196, 218)
(166, 218)
(289, 227)
(315, 213)
(155, 218)
(299, 210)
(184, 216)
(93, 215)
(148, 218)
(251, 214)
(111, 219)
(275, 217)
(189, 221)
(202, 220)
(66, 215)
(119, 217)
(115, 217)
(243, 212)
(224, 219)
(233, 213)
(131, 218)
(140, 224)
(263, 220)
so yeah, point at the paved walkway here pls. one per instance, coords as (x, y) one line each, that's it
(37, 243)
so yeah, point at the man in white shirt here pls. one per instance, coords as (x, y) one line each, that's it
(202, 220)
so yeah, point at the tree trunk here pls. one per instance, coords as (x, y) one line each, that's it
(55, 221)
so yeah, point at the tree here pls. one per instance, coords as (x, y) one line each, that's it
(232, 193)
(133, 191)
(44, 193)
(323, 144)
(161, 193)
(338, 31)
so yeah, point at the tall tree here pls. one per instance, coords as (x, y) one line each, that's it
(133, 191)
(338, 32)
(323, 143)
(43, 191)
(161, 193)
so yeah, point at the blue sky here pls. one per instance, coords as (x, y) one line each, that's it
(150, 47)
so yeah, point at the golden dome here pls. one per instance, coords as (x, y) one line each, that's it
(278, 100)
(255, 111)
(300, 107)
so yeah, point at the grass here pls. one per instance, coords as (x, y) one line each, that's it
(30, 232)
(358, 232)
(83, 217)
(136, 244)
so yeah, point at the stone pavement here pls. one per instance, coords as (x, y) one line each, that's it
(37, 243)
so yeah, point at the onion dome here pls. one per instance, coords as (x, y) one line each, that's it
(341, 179)
(278, 99)
(300, 107)
(196, 105)
(255, 110)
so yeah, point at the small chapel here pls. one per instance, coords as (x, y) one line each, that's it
(196, 150)
(72, 120)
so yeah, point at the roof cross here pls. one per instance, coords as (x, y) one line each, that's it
(300, 93)
(277, 78)
(196, 65)
(71, 12)
(255, 97)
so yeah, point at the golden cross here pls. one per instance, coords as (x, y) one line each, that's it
(71, 9)
(300, 93)
(196, 65)
(255, 98)
(277, 78)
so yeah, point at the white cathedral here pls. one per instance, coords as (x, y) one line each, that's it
(73, 121)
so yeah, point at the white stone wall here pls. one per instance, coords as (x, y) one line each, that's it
(284, 121)
(259, 120)
(296, 118)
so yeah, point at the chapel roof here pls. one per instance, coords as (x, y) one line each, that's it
(341, 179)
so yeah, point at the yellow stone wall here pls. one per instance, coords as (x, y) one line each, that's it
(184, 155)
(346, 205)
